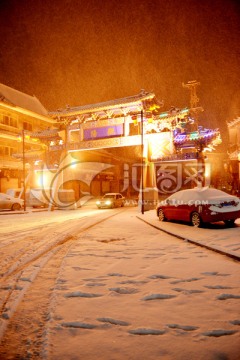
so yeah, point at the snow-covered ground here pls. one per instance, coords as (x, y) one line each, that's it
(125, 290)
(216, 235)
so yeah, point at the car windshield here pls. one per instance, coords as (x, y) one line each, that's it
(109, 196)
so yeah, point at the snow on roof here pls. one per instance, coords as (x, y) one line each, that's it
(18, 98)
(234, 123)
(107, 104)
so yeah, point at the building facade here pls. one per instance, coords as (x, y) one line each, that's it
(121, 145)
(20, 115)
(234, 154)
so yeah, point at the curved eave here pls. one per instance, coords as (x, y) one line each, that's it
(103, 107)
(234, 123)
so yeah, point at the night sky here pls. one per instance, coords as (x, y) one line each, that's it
(80, 52)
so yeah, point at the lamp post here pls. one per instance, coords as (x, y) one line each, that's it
(24, 169)
(238, 189)
(142, 165)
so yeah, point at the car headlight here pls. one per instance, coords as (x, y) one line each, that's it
(98, 202)
(108, 202)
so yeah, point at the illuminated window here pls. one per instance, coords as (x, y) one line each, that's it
(12, 150)
(9, 121)
(13, 122)
(27, 126)
(7, 151)
(6, 120)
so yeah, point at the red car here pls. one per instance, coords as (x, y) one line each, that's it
(199, 206)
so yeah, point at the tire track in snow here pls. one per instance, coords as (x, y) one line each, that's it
(26, 290)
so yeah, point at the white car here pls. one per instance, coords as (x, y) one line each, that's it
(111, 200)
(8, 202)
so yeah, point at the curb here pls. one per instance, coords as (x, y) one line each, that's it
(195, 242)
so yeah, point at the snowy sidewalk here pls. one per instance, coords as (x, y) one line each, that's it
(126, 290)
(214, 235)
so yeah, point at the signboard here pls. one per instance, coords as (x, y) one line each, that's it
(103, 132)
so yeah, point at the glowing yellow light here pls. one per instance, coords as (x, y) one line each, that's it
(207, 171)
(154, 107)
(43, 178)
(160, 145)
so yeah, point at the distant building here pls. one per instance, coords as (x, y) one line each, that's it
(234, 153)
(169, 144)
(18, 112)
(123, 134)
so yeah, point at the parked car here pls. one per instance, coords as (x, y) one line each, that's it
(39, 197)
(8, 202)
(199, 206)
(111, 200)
(17, 193)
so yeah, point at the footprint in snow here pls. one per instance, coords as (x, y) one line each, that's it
(111, 240)
(235, 322)
(61, 281)
(25, 279)
(158, 297)
(81, 294)
(124, 290)
(94, 279)
(183, 327)
(214, 273)
(218, 333)
(157, 276)
(77, 268)
(114, 321)
(156, 254)
(186, 291)
(144, 331)
(228, 296)
(137, 282)
(115, 274)
(185, 280)
(77, 324)
(217, 287)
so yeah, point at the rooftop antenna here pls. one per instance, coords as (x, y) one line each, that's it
(194, 109)
(192, 85)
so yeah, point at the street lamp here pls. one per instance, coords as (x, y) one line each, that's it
(24, 169)
(142, 165)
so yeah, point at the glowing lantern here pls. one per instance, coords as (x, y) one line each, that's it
(149, 117)
(134, 119)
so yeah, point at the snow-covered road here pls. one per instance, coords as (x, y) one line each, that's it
(80, 285)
